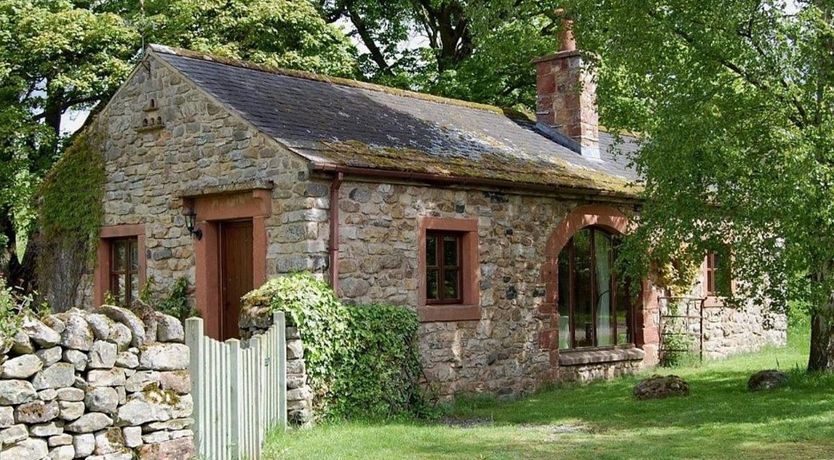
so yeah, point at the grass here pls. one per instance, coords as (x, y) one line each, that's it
(720, 419)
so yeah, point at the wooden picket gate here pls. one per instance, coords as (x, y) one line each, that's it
(240, 392)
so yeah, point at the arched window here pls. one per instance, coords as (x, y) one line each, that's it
(595, 306)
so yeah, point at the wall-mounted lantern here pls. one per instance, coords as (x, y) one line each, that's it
(191, 223)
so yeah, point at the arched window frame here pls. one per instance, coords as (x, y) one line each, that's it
(594, 215)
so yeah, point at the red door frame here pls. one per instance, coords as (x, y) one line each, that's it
(211, 210)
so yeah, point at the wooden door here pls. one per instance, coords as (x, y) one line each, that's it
(236, 268)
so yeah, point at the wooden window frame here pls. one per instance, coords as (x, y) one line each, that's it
(710, 271)
(631, 332)
(441, 268)
(116, 272)
(108, 234)
(714, 298)
(467, 308)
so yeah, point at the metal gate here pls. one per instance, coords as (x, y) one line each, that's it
(681, 325)
(239, 390)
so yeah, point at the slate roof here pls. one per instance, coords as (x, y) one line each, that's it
(338, 122)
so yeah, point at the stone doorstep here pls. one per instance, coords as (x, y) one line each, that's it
(612, 355)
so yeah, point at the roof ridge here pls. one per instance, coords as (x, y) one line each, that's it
(307, 75)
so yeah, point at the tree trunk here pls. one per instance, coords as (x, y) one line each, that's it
(822, 340)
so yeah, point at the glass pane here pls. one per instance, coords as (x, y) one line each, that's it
(450, 284)
(134, 256)
(583, 308)
(722, 273)
(114, 286)
(623, 314)
(450, 251)
(602, 246)
(120, 261)
(431, 285)
(563, 302)
(431, 250)
(120, 290)
(134, 288)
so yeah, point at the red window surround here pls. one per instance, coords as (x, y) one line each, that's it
(465, 305)
(105, 269)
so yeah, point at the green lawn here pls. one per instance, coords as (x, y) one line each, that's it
(601, 421)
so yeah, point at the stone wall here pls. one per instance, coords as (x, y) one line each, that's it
(98, 385)
(598, 371)
(499, 354)
(729, 331)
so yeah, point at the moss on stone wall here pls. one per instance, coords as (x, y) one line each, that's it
(71, 195)
(70, 216)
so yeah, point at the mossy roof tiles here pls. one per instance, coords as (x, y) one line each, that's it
(340, 122)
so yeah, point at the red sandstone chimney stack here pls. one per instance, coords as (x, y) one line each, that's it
(566, 98)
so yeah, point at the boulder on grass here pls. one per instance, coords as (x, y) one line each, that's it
(661, 386)
(767, 380)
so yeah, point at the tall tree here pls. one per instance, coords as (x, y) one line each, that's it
(54, 56)
(735, 100)
(476, 50)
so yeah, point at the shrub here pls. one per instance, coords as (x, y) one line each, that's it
(362, 361)
(174, 304)
(14, 308)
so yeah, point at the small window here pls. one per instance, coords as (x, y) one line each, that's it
(718, 273)
(124, 270)
(444, 268)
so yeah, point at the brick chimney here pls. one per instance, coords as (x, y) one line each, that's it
(566, 95)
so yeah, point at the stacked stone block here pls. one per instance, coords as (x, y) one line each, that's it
(99, 385)
(257, 320)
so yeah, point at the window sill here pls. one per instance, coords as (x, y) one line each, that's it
(445, 313)
(594, 356)
(712, 301)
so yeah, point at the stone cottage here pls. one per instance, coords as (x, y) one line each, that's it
(500, 229)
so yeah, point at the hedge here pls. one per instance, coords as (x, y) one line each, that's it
(362, 360)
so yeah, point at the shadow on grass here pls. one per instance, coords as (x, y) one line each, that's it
(716, 397)
(720, 419)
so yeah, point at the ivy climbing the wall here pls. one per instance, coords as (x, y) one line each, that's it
(70, 215)
(362, 360)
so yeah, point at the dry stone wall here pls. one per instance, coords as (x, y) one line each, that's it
(299, 393)
(99, 385)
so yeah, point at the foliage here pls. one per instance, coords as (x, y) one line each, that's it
(735, 101)
(54, 56)
(14, 308)
(361, 361)
(175, 303)
(10, 317)
(676, 350)
(602, 420)
(384, 370)
(71, 210)
(284, 33)
(479, 51)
